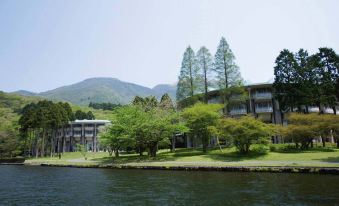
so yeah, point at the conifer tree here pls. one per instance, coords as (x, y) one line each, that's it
(205, 65)
(227, 71)
(187, 83)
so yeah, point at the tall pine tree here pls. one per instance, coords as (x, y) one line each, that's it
(227, 71)
(325, 67)
(187, 83)
(205, 64)
(285, 80)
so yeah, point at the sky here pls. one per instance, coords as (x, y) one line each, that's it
(45, 44)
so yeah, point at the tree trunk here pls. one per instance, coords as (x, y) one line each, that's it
(191, 80)
(323, 140)
(116, 152)
(42, 153)
(153, 149)
(205, 74)
(110, 151)
(173, 143)
(52, 145)
(141, 150)
(37, 150)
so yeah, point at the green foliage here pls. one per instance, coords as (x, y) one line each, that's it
(188, 82)
(245, 131)
(142, 125)
(104, 90)
(39, 122)
(104, 105)
(80, 115)
(200, 119)
(205, 65)
(227, 71)
(82, 149)
(9, 143)
(166, 103)
(302, 80)
(303, 128)
(120, 135)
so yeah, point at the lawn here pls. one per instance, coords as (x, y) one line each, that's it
(328, 157)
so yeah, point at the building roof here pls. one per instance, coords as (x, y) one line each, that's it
(87, 121)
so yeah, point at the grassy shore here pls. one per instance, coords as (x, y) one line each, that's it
(317, 157)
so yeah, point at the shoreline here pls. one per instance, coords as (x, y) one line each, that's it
(269, 169)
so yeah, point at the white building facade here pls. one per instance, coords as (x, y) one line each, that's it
(84, 132)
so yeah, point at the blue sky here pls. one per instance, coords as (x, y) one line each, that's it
(45, 44)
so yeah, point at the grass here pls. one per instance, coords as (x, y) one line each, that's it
(328, 157)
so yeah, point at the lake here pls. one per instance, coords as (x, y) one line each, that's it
(34, 185)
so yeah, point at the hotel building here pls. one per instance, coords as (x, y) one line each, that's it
(84, 132)
(260, 103)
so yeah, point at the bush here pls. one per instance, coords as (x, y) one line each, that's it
(261, 149)
(12, 160)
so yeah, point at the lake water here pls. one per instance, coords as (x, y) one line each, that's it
(34, 185)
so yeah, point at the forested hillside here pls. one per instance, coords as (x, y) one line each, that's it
(102, 90)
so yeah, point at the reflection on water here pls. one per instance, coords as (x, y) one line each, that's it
(24, 185)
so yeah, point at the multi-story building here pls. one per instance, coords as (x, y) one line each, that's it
(84, 132)
(260, 103)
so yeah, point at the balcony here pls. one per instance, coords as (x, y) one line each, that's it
(313, 109)
(328, 110)
(89, 128)
(89, 134)
(266, 95)
(238, 111)
(214, 100)
(263, 109)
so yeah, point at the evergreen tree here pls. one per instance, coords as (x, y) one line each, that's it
(303, 80)
(187, 83)
(138, 101)
(227, 71)
(285, 78)
(166, 103)
(90, 115)
(325, 65)
(205, 65)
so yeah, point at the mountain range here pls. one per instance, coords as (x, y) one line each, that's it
(102, 90)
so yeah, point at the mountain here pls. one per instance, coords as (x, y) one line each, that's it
(161, 89)
(25, 93)
(103, 90)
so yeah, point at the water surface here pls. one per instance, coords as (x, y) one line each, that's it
(34, 185)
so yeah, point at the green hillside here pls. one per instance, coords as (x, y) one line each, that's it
(10, 105)
(100, 90)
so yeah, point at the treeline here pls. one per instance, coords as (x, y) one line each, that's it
(81, 115)
(147, 125)
(104, 105)
(39, 124)
(200, 72)
(303, 80)
(303, 129)
(144, 125)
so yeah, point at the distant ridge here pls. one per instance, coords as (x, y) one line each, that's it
(102, 89)
(25, 93)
